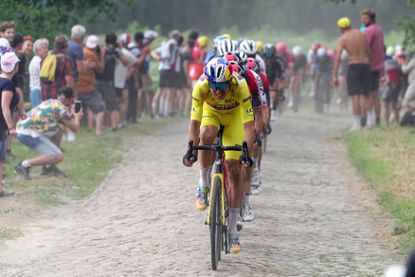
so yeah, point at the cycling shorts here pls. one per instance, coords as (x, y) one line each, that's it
(233, 132)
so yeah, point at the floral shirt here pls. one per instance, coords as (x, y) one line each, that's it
(45, 119)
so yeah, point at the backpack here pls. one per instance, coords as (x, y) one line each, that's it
(48, 68)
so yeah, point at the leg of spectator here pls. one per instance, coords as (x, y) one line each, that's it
(90, 120)
(99, 121)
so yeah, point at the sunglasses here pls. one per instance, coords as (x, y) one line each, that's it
(219, 86)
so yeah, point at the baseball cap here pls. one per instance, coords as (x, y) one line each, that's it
(9, 61)
(92, 41)
(4, 46)
(343, 23)
(150, 34)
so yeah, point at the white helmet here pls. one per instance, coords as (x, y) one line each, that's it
(321, 52)
(297, 50)
(249, 47)
(226, 46)
(150, 34)
(217, 40)
(242, 57)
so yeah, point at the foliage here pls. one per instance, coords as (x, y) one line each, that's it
(46, 18)
(407, 24)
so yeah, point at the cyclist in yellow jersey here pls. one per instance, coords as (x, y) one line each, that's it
(221, 98)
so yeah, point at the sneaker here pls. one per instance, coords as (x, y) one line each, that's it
(247, 214)
(5, 193)
(22, 171)
(234, 243)
(71, 137)
(52, 170)
(255, 190)
(201, 198)
(239, 223)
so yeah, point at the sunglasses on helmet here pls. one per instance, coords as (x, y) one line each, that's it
(219, 86)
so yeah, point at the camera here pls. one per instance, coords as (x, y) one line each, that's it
(78, 106)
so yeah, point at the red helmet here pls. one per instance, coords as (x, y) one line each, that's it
(331, 53)
(315, 46)
(234, 66)
(281, 47)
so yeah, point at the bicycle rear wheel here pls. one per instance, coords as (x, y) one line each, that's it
(216, 224)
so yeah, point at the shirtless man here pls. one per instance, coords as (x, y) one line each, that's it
(359, 74)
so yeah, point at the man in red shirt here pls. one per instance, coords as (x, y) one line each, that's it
(374, 35)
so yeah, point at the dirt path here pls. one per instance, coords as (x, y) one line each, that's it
(142, 221)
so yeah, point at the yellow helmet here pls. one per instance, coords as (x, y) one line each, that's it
(260, 45)
(228, 36)
(343, 23)
(203, 41)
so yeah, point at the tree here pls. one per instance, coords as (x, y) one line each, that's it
(46, 18)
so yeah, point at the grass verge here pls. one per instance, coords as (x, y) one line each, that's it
(86, 164)
(385, 158)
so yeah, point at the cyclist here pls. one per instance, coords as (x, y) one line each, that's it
(226, 46)
(298, 74)
(275, 68)
(213, 53)
(221, 98)
(250, 48)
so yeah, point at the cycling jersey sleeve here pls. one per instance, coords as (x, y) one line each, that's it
(198, 98)
(247, 112)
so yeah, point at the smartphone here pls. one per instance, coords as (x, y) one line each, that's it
(78, 106)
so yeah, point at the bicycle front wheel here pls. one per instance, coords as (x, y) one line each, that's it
(216, 223)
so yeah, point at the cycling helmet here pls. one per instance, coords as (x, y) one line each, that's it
(4, 46)
(217, 40)
(321, 52)
(297, 50)
(315, 46)
(217, 70)
(227, 36)
(241, 57)
(234, 67)
(202, 41)
(249, 47)
(269, 51)
(125, 39)
(252, 64)
(281, 47)
(260, 46)
(226, 46)
(343, 23)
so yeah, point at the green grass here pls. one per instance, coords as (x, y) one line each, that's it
(385, 158)
(9, 233)
(87, 162)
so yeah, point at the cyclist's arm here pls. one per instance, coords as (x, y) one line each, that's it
(196, 111)
(247, 113)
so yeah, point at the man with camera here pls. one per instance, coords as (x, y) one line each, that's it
(43, 129)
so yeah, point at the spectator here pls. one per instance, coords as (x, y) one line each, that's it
(7, 30)
(9, 100)
(43, 129)
(91, 99)
(27, 45)
(392, 88)
(358, 72)
(75, 52)
(121, 76)
(4, 46)
(63, 72)
(135, 81)
(105, 80)
(374, 35)
(40, 49)
(408, 67)
(146, 93)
